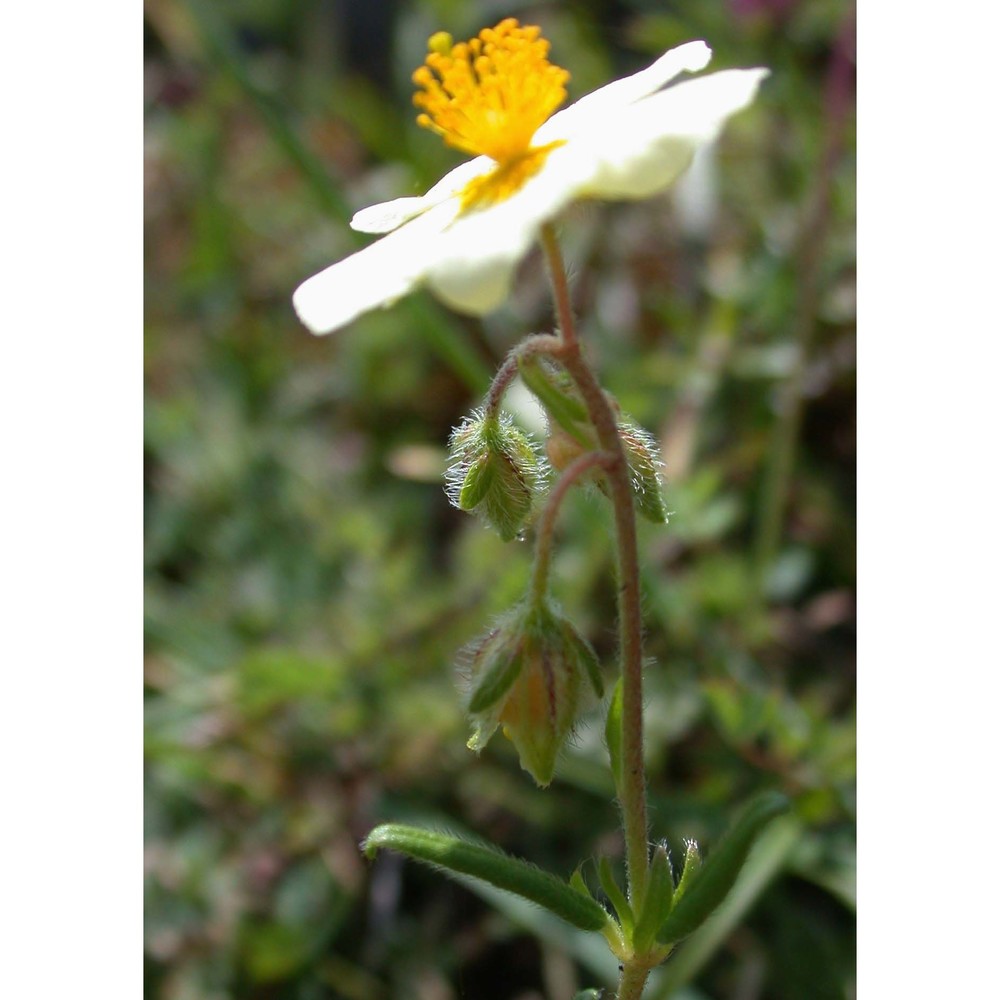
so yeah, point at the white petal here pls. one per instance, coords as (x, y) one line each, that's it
(473, 285)
(476, 257)
(699, 107)
(456, 179)
(375, 276)
(390, 215)
(387, 215)
(690, 57)
(649, 144)
(632, 142)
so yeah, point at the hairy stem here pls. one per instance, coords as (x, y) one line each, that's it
(547, 523)
(632, 793)
(632, 981)
(541, 343)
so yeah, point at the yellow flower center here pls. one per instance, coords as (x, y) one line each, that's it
(488, 96)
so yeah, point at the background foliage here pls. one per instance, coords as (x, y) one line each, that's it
(309, 586)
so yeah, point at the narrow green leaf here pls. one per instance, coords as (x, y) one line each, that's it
(617, 897)
(692, 865)
(775, 846)
(613, 732)
(658, 899)
(577, 882)
(451, 854)
(708, 888)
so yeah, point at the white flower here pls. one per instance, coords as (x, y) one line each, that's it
(493, 96)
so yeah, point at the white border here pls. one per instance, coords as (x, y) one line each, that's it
(929, 502)
(71, 497)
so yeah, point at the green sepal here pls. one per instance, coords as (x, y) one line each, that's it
(496, 682)
(616, 896)
(587, 656)
(453, 855)
(477, 482)
(508, 504)
(712, 882)
(649, 504)
(613, 733)
(560, 401)
(657, 901)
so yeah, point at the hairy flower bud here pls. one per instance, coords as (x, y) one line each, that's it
(641, 454)
(495, 472)
(527, 675)
(571, 434)
(556, 392)
(563, 449)
(644, 464)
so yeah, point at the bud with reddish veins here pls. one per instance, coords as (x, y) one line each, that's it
(533, 674)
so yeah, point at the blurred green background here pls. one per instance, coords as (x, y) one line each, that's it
(308, 586)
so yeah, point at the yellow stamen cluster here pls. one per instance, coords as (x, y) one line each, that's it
(489, 95)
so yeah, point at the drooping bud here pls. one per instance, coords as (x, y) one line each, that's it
(560, 397)
(562, 449)
(571, 434)
(495, 472)
(641, 455)
(644, 465)
(532, 674)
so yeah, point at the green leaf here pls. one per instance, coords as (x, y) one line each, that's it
(613, 732)
(657, 902)
(775, 846)
(709, 886)
(452, 854)
(577, 882)
(692, 865)
(617, 897)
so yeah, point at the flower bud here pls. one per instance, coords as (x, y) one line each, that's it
(641, 454)
(556, 392)
(644, 465)
(571, 434)
(495, 472)
(528, 674)
(563, 449)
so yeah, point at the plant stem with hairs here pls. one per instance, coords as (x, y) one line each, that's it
(632, 788)
(531, 672)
